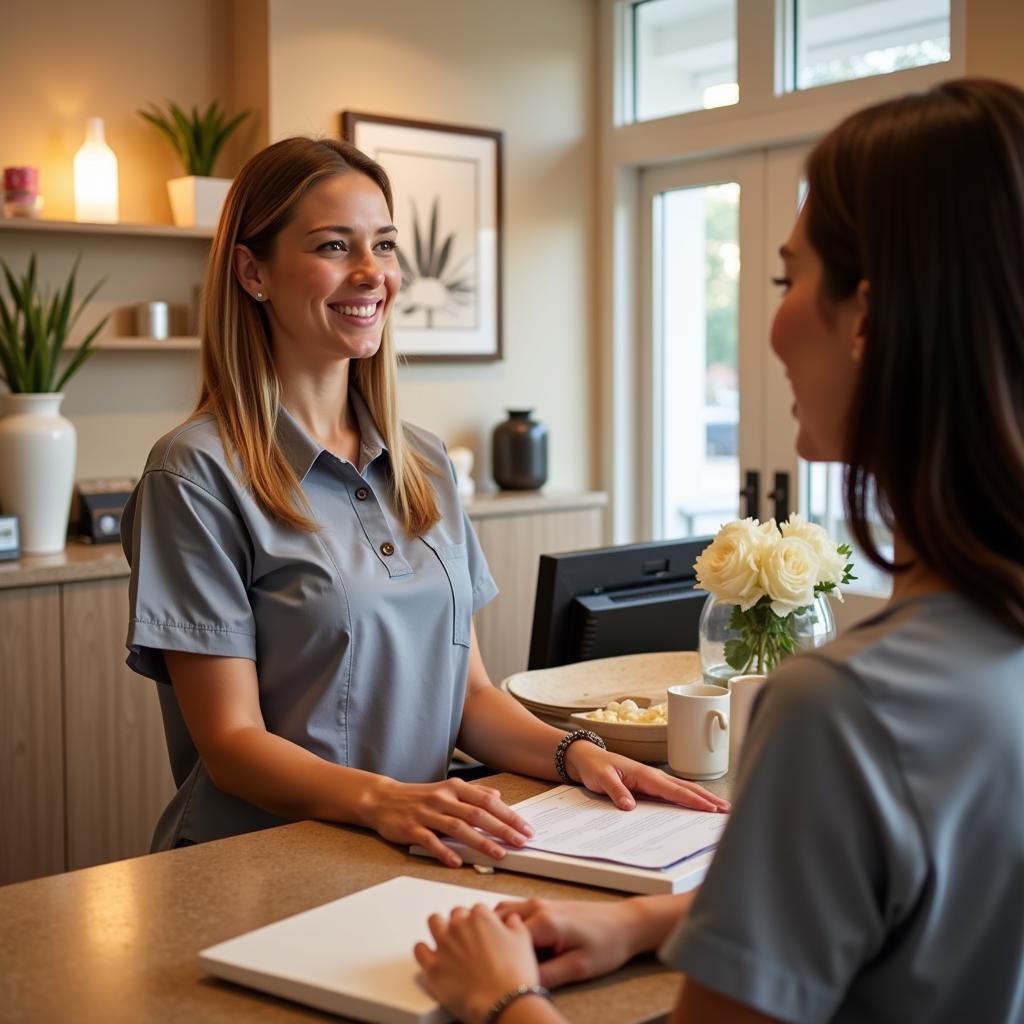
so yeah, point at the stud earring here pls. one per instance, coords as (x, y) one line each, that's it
(259, 296)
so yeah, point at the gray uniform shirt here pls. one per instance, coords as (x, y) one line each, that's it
(873, 865)
(360, 633)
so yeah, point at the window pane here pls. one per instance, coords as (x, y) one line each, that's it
(822, 493)
(837, 40)
(697, 376)
(684, 56)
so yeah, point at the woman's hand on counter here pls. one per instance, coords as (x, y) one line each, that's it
(587, 940)
(420, 812)
(479, 958)
(620, 778)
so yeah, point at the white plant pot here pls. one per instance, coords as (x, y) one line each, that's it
(197, 202)
(37, 469)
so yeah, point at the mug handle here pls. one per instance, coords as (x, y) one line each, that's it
(716, 719)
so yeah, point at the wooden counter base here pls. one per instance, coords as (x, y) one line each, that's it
(118, 942)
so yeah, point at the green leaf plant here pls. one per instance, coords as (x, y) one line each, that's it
(196, 138)
(34, 327)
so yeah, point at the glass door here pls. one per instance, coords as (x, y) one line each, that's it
(703, 361)
(717, 424)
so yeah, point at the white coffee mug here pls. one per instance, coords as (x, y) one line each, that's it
(742, 692)
(698, 730)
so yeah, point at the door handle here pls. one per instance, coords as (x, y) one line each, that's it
(750, 493)
(780, 496)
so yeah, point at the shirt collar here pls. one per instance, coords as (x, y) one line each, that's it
(302, 451)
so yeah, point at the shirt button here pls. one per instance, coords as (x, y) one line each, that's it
(387, 549)
(362, 494)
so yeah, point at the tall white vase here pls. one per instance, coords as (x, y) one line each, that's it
(37, 469)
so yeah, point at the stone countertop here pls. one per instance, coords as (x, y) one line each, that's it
(120, 941)
(80, 561)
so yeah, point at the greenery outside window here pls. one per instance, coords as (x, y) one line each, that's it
(840, 40)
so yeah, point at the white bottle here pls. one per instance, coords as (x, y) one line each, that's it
(95, 177)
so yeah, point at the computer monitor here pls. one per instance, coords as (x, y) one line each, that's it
(604, 602)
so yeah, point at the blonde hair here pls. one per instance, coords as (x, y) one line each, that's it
(240, 385)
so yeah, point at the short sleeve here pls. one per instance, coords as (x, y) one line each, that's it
(484, 588)
(819, 859)
(191, 565)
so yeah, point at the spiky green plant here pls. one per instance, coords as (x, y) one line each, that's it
(196, 138)
(33, 329)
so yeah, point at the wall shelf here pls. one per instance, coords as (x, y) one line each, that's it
(71, 227)
(124, 344)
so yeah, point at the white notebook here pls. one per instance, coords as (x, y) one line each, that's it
(351, 957)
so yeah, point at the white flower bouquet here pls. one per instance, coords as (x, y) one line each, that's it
(771, 575)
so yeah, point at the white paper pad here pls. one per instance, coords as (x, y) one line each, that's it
(351, 957)
(654, 835)
(592, 869)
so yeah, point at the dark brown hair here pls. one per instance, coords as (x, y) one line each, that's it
(923, 197)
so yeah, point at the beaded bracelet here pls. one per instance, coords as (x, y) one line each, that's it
(510, 997)
(567, 740)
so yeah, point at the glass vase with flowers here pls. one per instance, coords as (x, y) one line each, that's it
(769, 586)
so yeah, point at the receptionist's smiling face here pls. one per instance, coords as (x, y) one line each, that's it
(333, 273)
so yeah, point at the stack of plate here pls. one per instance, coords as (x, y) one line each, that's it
(555, 694)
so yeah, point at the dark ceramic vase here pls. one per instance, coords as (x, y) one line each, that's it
(519, 452)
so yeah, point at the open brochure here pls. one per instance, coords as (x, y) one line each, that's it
(654, 835)
(582, 837)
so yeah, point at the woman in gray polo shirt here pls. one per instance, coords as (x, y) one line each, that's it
(873, 867)
(302, 570)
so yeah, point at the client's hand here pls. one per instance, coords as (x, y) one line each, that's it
(586, 939)
(620, 777)
(479, 958)
(414, 813)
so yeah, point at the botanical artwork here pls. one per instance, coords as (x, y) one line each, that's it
(437, 240)
(447, 194)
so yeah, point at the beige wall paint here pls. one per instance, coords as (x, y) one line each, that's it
(63, 61)
(994, 34)
(526, 68)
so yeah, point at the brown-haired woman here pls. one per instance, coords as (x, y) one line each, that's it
(873, 866)
(303, 575)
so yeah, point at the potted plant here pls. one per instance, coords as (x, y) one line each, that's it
(37, 444)
(197, 198)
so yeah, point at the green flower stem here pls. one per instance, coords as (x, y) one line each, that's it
(763, 639)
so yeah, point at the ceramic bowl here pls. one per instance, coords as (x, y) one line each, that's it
(642, 742)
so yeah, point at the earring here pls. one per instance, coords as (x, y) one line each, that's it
(259, 296)
(856, 354)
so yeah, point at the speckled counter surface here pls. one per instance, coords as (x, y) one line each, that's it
(77, 561)
(119, 942)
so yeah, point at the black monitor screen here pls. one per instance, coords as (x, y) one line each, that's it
(630, 599)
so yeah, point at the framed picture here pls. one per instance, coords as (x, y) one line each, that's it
(447, 190)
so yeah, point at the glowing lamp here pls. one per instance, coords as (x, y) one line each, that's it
(95, 177)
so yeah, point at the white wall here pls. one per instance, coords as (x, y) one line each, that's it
(526, 68)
